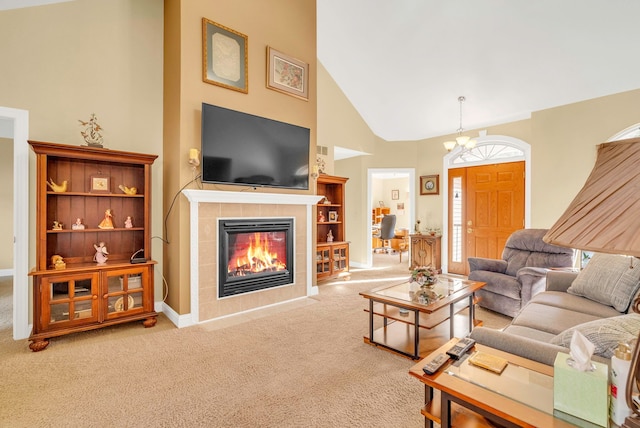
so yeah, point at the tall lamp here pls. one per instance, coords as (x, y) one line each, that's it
(605, 217)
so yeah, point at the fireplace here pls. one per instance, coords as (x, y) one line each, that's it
(254, 254)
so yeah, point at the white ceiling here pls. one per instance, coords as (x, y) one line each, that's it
(403, 63)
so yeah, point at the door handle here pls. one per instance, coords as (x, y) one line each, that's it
(469, 230)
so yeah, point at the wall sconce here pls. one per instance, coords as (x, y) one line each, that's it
(194, 158)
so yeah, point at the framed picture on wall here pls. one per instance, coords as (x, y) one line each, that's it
(224, 57)
(287, 74)
(429, 185)
(395, 195)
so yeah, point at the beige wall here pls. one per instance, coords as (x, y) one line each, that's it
(563, 146)
(286, 25)
(6, 196)
(62, 62)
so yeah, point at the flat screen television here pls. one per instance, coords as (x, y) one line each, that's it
(243, 149)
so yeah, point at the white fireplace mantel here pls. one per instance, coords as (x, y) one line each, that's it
(196, 197)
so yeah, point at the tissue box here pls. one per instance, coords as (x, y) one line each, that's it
(581, 394)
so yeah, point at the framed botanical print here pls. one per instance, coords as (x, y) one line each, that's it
(395, 195)
(429, 185)
(287, 74)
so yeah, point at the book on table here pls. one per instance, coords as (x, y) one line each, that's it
(489, 362)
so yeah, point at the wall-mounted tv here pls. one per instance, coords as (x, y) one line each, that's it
(243, 149)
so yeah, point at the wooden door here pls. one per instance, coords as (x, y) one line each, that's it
(492, 198)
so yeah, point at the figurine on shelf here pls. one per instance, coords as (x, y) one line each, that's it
(58, 188)
(417, 228)
(329, 236)
(128, 190)
(107, 222)
(77, 225)
(57, 225)
(57, 262)
(91, 134)
(101, 253)
(128, 223)
(321, 218)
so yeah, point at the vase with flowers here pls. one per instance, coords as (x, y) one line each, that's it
(424, 275)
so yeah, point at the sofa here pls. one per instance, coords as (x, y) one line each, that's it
(597, 301)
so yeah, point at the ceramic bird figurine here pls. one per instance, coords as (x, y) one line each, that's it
(128, 190)
(58, 188)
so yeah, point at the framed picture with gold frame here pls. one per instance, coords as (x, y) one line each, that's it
(225, 54)
(287, 74)
(100, 184)
(430, 185)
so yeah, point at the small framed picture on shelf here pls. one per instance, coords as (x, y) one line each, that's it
(100, 184)
(333, 216)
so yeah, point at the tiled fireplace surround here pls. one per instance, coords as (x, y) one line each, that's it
(206, 207)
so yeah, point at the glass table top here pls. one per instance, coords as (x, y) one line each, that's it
(526, 386)
(413, 292)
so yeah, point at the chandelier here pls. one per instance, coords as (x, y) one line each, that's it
(461, 140)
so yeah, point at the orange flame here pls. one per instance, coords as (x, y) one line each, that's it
(258, 258)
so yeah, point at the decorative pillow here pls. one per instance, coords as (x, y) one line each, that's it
(605, 334)
(608, 279)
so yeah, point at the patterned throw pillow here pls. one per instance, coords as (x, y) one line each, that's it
(609, 279)
(605, 334)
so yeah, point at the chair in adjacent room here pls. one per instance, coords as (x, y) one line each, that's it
(387, 232)
(521, 273)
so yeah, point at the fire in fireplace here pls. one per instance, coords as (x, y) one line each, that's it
(254, 254)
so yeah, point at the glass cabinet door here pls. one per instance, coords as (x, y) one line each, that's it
(125, 291)
(69, 299)
(340, 258)
(323, 260)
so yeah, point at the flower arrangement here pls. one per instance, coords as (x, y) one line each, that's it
(424, 275)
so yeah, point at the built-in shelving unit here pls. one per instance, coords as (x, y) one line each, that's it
(332, 257)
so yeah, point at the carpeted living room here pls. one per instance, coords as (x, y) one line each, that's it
(127, 224)
(298, 364)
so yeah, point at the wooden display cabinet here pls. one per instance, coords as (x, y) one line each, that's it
(77, 293)
(332, 258)
(426, 250)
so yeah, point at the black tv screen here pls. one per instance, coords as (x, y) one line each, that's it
(240, 148)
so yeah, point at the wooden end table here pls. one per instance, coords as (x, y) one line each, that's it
(521, 396)
(412, 326)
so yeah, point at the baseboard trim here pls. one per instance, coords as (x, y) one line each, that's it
(6, 272)
(178, 320)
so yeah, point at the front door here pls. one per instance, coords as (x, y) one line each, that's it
(486, 205)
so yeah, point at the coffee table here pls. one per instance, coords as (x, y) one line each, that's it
(521, 396)
(412, 326)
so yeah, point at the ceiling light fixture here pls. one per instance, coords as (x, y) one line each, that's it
(461, 140)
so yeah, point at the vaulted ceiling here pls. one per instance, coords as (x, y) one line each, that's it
(404, 63)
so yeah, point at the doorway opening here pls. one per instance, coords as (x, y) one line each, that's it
(14, 124)
(391, 191)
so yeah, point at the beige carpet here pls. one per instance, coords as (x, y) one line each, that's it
(302, 365)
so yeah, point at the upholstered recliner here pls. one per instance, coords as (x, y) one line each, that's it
(520, 274)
